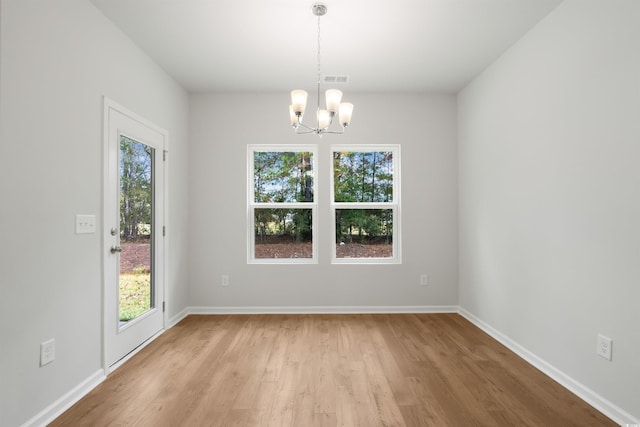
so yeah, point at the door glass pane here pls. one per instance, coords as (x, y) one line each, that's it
(136, 229)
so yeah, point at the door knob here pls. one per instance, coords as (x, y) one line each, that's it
(115, 249)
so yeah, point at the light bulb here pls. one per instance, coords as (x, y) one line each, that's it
(333, 98)
(298, 101)
(324, 119)
(345, 112)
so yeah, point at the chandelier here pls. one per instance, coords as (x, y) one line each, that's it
(333, 98)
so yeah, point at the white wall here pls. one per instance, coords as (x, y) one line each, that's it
(549, 155)
(221, 127)
(57, 61)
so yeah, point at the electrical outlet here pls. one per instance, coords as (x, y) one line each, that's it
(47, 352)
(604, 347)
(424, 280)
(224, 280)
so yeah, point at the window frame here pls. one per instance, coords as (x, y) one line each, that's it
(252, 205)
(394, 206)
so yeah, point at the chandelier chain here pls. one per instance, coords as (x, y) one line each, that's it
(318, 60)
(318, 49)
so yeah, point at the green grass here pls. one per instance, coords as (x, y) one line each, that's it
(135, 295)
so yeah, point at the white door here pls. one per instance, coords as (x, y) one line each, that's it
(134, 225)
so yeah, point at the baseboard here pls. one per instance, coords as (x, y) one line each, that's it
(324, 309)
(56, 409)
(607, 408)
(125, 359)
(177, 318)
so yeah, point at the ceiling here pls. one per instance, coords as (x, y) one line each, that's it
(270, 45)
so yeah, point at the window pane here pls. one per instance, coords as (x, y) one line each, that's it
(283, 233)
(282, 177)
(364, 233)
(363, 176)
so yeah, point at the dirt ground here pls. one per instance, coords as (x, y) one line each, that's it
(283, 250)
(358, 250)
(304, 250)
(135, 255)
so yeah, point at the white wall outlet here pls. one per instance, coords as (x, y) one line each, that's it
(85, 224)
(424, 280)
(604, 347)
(47, 352)
(224, 281)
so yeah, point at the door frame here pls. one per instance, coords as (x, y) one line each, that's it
(108, 106)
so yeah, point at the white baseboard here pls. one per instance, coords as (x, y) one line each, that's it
(177, 318)
(324, 309)
(598, 402)
(56, 409)
(109, 369)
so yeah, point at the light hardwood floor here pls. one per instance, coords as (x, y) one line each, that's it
(329, 370)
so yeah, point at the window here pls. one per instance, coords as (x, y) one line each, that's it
(365, 203)
(282, 204)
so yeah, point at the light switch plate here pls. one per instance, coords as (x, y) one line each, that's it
(85, 224)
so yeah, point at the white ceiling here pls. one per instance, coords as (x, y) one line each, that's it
(270, 45)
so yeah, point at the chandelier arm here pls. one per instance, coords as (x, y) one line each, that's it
(297, 132)
(302, 125)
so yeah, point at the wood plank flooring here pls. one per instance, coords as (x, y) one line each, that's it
(328, 370)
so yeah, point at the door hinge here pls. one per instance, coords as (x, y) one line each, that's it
(163, 306)
(164, 230)
(164, 155)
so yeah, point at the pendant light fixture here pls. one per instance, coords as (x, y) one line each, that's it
(333, 97)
